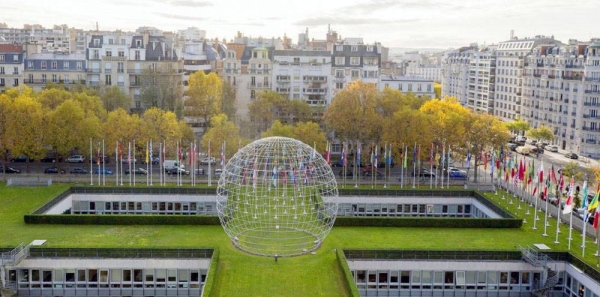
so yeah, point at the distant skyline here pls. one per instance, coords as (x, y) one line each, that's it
(395, 23)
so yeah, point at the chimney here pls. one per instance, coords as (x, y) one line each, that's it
(512, 34)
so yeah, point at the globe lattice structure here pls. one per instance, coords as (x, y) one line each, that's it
(277, 197)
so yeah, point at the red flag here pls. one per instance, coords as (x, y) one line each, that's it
(596, 216)
(521, 171)
(561, 182)
(534, 191)
(552, 175)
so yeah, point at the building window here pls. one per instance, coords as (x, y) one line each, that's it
(79, 65)
(339, 48)
(121, 54)
(409, 87)
(110, 41)
(108, 80)
(296, 60)
(339, 73)
(355, 73)
(16, 83)
(354, 61)
(53, 64)
(15, 70)
(1, 58)
(137, 55)
(369, 48)
(138, 43)
(109, 53)
(66, 65)
(29, 64)
(354, 48)
(43, 78)
(44, 64)
(252, 94)
(54, 78)
(340, 60)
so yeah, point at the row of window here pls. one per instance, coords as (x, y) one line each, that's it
(115, 278)
(3, 58)
(133, 207)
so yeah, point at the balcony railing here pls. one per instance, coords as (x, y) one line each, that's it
(590, 129)
(258, 71)
(592, 91)
(108, 70)
(281, 78)
(591, 104)
(231, 70)
(121, 84)
(589, 116)
(592, 79)
(315, 90)
(283, 90)
(258, 85)
(93, 70)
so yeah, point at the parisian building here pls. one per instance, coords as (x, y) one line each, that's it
(11, 65)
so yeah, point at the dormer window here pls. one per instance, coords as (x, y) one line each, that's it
(138, 43)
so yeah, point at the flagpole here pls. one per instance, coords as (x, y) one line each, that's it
(147, 165)
(151, 161)
(209, 161)
(431, 167)
(98, 163)
(385, 167)
(443, 165)
(402, 167)
(91, 166)
(356, 164)
(414, 164)
(129, 162)
(117, 164)
(448, 183)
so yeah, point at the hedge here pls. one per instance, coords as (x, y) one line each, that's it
(212, 274)
(343, 265)
(427, 222)
(121, 219)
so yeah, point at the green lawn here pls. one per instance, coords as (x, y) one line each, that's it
(240, 274)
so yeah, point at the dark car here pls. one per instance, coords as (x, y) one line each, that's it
(572, 156)
(178, 170)
(138, 171)
(537, 150)
(103, 171)
(349, 173)
(54, 170)
(512, 146)
(78, 170)
(50, 159)
(9, 170)
(153, 160)
(369, 174)
(20, 159)
(384, 164)
(425, 173)
(338, 164)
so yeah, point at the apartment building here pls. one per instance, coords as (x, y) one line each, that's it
(11, 66)
(56, 39)
(455, 73)
(562, 91)
(125, 59)
(201, 56)
(352, 60)
(303, 75)
(509, 74)
(407, 84)
(56, 68)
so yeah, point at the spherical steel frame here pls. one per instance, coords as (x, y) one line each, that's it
(277, 197)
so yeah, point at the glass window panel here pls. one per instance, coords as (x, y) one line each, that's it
(149, 275)
(449, 277)
(426, 277)
(183, 275)
(372, 276)
(47, 275)
(437, 277)
(126, 275)
(405, 277)
(80, 275)
(35, 275)
(70, 275)
(514, 277)
(481, 277)
(172, 275)
(416, 276)
(161, 275)
(524, 277)
(115, 275)
(93, 275)
(383, 276)
(460, 278)
(104, 276)
(470, 277)
(137, 275)
(504, 277)
(194, 276)
(24, 275)
(58, 275)
(394, 277)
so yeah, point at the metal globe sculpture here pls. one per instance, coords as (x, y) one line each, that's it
(277, 197)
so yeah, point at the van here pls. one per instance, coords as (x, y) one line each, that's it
(523, 150)
(171, 164)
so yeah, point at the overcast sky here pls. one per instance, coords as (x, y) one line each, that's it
(394, 23)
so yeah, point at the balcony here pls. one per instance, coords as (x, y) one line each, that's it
(283, 90)
(258, 85)
(231, 70)
(93, 70)
(338, 78)
(552, 76)
(283, 78)
(258, 71)
(135, 83)
(592, 79)
(315, 90)
(108, 70)
(308, 78)
(564, 124)
(588, 116)
(35, 81)
(94, 83)
(574, 114)
(592, 91)
(114, 59)
(595, 129)
(567, 77)
(591, 141)
(537, 75)
(591, 104)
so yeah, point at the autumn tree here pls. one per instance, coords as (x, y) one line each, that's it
(409, 127)
(264, 110)
(483, 133)
(437, 88)
(542, 133)
(51, 98)
(161, 88)
(447, 121)
(114, 98)
(354, 114)
(229, 101)
(221, 130)
(310, 133)
(204, 96)
(279, 129)
(518, 126)
(25, 131)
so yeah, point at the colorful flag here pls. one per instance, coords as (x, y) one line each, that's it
(584, 196)
(147, 152)
(594, 204)
(596, 218)
(376, 157)
(358, 155)
(327, 152)
(468, 160)
(389, 156)
(405, 163)
(223, 154)
(344, 155)
(569, 203)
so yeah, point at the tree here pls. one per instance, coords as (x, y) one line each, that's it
(51, 98)
(518, 126)
(354, 114)
(448, 120)
(221, 130)
(161, 87)
(229, 101)
(542, 133)
(409, 127)
(25, 131)
(265, 109)
(279, 129)
(483, 133)
(160, 125)
(437, 88)
(204, 96)
(310, 133)
(114, 98)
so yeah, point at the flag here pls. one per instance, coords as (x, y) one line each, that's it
(553, 175)
(569, 203)
(468, 160)
(541, 173)
(584, 195)
(358, 155)
(389, 156)
(376, 157)
(327, 148)
(596, 217)
(594, 203)
(372, 158)
(223, 154)
(405, 163)
(147, 152)
(431, 154)
(344, 155)
(485, 161)
(419, 156)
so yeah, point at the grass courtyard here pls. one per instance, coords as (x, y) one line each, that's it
(240, 274)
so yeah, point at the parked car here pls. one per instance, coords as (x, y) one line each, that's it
(76, 159)
(218, 172)
(178, 170)
(512, 146)
(9, 170)
(54, 170)
(384, 164)
(137, 171)
(572, 156)
(349, 173)
(51, 159)
(369, 174)
(425, 173)
(103, 171)
(126, 160)
(103, 159)
(537, 150)
(199, 171)
(206, 160)
(153, 160)
(20, 159)
(78, 170)
(552, 148)
(456, 173)
(525, 151)
(338, 164)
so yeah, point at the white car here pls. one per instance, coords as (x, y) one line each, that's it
(76, 159)
(126, 161)
(206, 160)
(552, 148)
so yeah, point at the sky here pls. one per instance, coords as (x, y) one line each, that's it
(395, 23)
